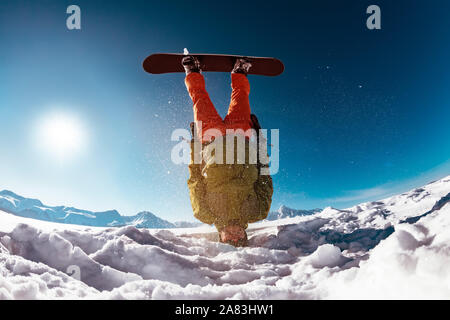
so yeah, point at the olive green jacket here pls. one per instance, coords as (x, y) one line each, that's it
(224, 194)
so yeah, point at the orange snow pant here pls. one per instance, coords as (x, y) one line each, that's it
(238, 116)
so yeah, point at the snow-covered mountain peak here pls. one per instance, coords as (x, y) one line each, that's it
(8, 193)
(146, 219)
(286, 212)
(15, 202)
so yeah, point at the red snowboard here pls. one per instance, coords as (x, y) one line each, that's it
(171, 62)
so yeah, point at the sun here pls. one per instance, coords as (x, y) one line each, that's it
(61, 135)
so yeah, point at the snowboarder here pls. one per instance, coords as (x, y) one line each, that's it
(227, 195)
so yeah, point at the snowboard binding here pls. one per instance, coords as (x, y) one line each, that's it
(191, 64)
(242, 65)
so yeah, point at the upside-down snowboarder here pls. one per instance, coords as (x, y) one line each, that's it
(227, 195)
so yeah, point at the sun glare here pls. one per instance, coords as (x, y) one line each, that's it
(61, 135)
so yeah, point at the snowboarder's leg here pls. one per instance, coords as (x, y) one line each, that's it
(238, 116)
(204, 109)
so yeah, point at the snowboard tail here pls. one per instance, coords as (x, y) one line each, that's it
(159, 63)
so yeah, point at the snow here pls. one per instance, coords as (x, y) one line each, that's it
(326, 255)
(368, 251)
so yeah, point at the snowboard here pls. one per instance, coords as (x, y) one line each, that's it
(171, 62)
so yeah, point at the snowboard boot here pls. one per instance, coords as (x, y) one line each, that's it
(242, 65)
(234, 235)
(191, 64)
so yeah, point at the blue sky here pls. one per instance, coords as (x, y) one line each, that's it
(362, 114)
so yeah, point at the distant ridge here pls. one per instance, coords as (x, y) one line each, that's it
(13, 203)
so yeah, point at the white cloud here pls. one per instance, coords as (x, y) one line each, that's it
(360, 195)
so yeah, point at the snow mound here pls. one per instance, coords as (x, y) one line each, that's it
(395, 248)
(326, 255)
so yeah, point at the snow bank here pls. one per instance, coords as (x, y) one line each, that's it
(411, 264)
(394, 248)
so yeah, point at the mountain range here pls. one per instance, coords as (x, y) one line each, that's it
(35, 209)
(285, 212)
(13, 203)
